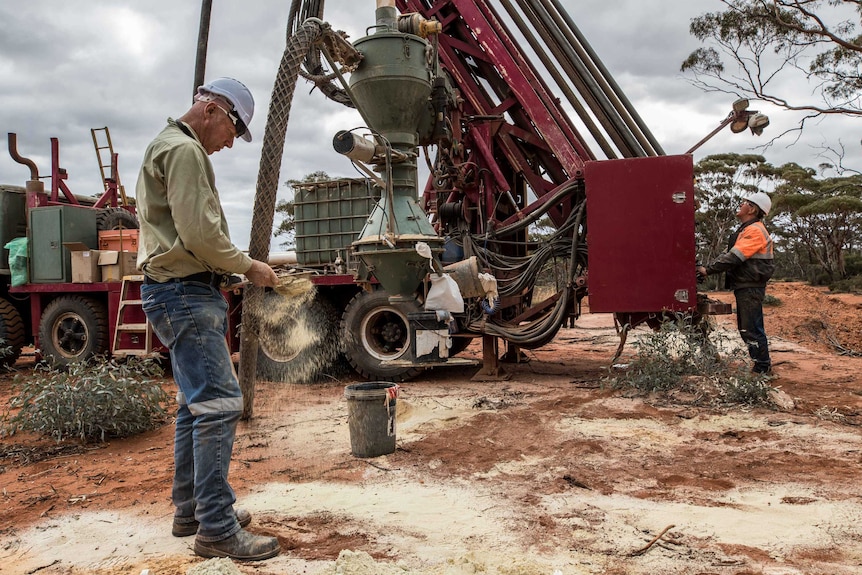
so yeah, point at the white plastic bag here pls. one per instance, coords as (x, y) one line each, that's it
(423, 250)
(444, 294)
(489, 284)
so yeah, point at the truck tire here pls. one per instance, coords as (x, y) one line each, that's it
(373, 331)
(115, 219)
(73, 328)
(459, 344)
(280, 361)
(11, 334)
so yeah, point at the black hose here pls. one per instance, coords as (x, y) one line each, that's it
(539, 332)
(301, 11)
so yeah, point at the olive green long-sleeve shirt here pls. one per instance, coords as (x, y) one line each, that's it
(183, 226)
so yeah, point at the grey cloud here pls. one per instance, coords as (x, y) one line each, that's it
(64, 69)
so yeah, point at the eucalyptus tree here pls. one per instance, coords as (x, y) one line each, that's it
(752, 47)
(820, 216)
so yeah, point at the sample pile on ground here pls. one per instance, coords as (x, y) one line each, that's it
(217, 566)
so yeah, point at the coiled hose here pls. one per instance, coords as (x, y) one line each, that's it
(538, 333)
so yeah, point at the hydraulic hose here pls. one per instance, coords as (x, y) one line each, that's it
(549, 202)
(520, 273)
(301, 11)
(539, 332)
(298, 45)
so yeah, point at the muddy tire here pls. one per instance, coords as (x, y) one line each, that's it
(373, 331)
(287, 354)
(116, 219)
(11, 334)
(73, 328)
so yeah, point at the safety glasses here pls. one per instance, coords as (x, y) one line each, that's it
(238, 125)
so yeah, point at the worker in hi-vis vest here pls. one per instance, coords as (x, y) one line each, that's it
(747, 265)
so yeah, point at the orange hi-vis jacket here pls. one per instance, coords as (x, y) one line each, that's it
(748, 261)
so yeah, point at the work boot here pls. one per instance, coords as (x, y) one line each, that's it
(186, 528)
(242, 546)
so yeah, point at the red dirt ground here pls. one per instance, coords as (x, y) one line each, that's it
(552, 432)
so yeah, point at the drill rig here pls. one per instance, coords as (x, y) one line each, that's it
(517, 130)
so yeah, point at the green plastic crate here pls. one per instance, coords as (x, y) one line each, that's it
(329, 216)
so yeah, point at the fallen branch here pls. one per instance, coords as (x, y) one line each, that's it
(655, 539)
(833, 341)
(575, 482)
(54, 562)
(375, 465)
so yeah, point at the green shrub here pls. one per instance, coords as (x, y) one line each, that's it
(92, 400)
(853, 264)
(852, 284)
(771, 301)
(681, 356)
(751, 389)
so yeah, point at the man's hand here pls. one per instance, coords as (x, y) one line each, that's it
(700, 273)
(261, 275)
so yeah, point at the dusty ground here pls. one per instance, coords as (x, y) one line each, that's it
(547, 472)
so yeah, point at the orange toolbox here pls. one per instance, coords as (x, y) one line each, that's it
(119, 240)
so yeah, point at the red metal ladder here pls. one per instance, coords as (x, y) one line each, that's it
(106, 159)
(133, 334)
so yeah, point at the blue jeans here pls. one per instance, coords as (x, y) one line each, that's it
(749, 320)
(190, 319)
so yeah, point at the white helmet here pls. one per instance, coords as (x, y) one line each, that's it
(761, 200)
(238, 95)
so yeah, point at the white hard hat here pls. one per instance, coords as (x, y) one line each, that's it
(238, 95)
(761, 200)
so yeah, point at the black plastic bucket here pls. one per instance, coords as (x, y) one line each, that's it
(371, 418)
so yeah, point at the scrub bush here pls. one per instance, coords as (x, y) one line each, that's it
(680, 356)
(91, 401)
(770, 300)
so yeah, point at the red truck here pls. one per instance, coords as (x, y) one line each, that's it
(67, 319)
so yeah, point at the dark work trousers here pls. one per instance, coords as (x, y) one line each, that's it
(749, 320)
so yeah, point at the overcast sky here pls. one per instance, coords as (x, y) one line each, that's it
(72, 65)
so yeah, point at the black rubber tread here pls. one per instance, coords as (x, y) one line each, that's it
(85, 321)
(11, 333)
(459, 344)
(115, 219)
(365, 351)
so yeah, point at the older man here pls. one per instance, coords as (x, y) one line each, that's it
(186, 254)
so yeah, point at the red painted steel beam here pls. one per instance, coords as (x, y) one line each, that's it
(536, 140)
(519, 74)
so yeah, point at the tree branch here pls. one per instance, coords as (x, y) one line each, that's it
(821, 31)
